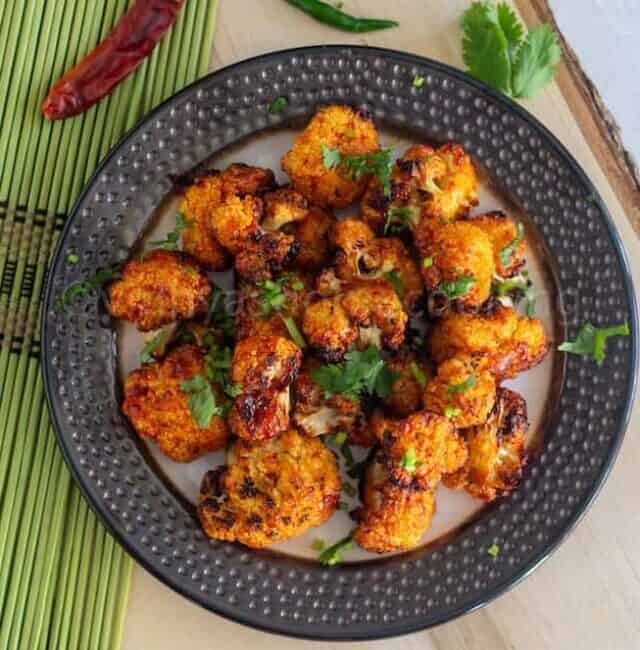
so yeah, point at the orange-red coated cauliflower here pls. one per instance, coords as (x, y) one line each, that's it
(163, 287)
(497, 452)
(336, 127)
(507, 240)
(312, 235)
(392, 517)
(158, 408)
(512, 343)
(264, 367)
(412, 375)
(283, 206)
(463, 390)
(270, 492)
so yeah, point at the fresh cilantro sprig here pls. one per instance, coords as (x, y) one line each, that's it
(361, 372)
(453, 289)
(418, 374)
(515, 289)
(202, 400)
(399, 219)
(395, 280)
(409, 462)
(333, 555)
(217, 363)
(85, 287)
(294, 332)
(469, 382)
(507, 252)
(155, 344)
(170, 242)
(452, 411)
(379, 163)
(219, 316)
(496, 49)
(272, 297)
(592, 341)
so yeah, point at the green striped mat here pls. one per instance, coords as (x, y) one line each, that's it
(63, 580)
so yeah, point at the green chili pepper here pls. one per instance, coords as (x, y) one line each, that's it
(330, 15)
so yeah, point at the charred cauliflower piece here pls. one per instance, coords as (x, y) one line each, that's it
(266, 254)
(368, 313)
(463, 390)
(497, 453)
(263, 306)
(312, 235)
(406, 391)
(206, 193)
(392, 517)
(420, 449)
(270, 492)
(362, 256)
(336, 127)
(507, 240)
(158, 408)
(163, 287)
(283, 206)
(315, 415)
(512, 343)
(429, 187)
(460, 263)
(264, 367)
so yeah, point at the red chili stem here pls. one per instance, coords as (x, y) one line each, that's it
(122, 51)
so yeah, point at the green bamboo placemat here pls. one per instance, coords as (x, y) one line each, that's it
(64, 582)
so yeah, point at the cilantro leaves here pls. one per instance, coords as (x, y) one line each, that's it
(507, 252)
(84, 287)
(592, 341)
(333, 554)
(378, 164)
(170, 242)
(409, 462)
(361, 371)
(155, 344)
(202, 401)
(497, 51)
(457, 288)
(469, 382)
(399, 219)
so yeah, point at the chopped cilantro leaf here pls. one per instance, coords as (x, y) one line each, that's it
(219, 317)
(592, 341)
(318, 545)
(333, 554)
(507, 252)
(72, 258)
(331, 158)
(452, 411)
(457, 288)
(294, 332)
(418, 373)
(409, 462)
(84, 287)
(202, 401)
(272, 297)
(170, 242)
(340, 438)
(394, 279)
(155, 344)
(349, 489)
(493, 550)
(427, 262)
(418, 81)
(468, 383)
(278, 105)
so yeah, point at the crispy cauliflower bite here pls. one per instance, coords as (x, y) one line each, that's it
(497, 453)
(362, 256)
(512, 343)
(312, 235)
(270, 492)
(265, 367)
(471, 404)
(314, 415)
(369, 313)
(502, 232)
(159, 410)
(392, 517)
(266, 254)
(283, 206)
(336, 127)
(460, 250)
(251, 319)
(436, 446)
(405, 397)
(163, 287)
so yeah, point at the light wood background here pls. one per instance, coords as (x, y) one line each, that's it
(587, 596)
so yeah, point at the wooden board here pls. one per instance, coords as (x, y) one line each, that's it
(588, 594)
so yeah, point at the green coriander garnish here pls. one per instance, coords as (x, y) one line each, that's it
(409, 462)
(340, 438)
(418, 373)
(394, 279)
(427, 262)
(170, 242)
(294, 332)
(515, 288)
(452, 411)
(156, 343)
(362, 371)
(592, 341)
(507, 252)
(278, 105)
(219, 317)
(418, 81)
(296, 285)
(202, 401)
(72, 258)
(493, 550)
(318, 545)
(349, 489)
(399, 219)
(84, 287)
(272, 297)
(333, 554)
(347, 454)
(378, 164)
(331, 158)
(468, 383)
(457, 288)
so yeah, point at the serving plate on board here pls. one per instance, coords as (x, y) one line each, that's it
(578, 410)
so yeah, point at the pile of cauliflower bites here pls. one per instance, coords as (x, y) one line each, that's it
(391, 330)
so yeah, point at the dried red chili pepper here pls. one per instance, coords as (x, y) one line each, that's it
(124, 49)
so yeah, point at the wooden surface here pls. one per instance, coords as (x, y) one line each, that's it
(587, 596)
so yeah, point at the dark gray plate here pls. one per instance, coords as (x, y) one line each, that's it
(393, 595)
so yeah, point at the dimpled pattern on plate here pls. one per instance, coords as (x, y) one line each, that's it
(393, 595)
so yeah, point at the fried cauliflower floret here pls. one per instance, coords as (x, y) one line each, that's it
(463, 390)
(368, 313)
(235, 220)
(392, 517)
(163, 287)
(336, 127)
(512, 343)
(460, 253)
(362, 256)
(497, 453)
(420, 449)
(264, 367)
(209, 191)
(503, 233)
(405, 397)
(429, 187)
(158, 408)
(312, 235)
(283, 206)
(266, 254)
(315, 415)
(262, 307)
(270, 492)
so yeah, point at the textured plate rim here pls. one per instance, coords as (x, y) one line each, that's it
(397, 628)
